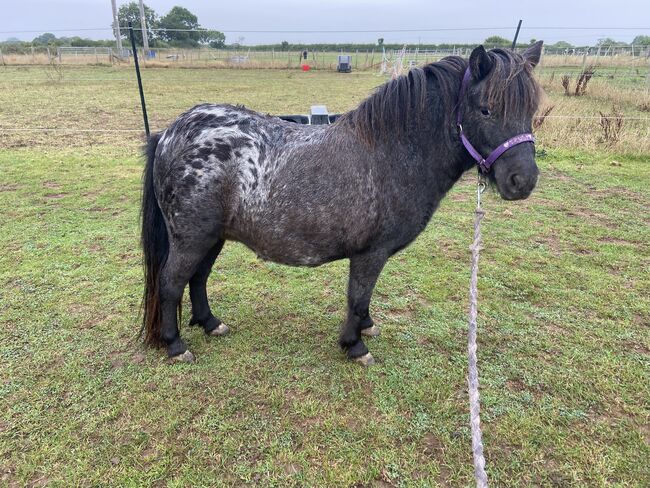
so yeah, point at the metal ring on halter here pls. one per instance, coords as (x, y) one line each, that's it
(480, 188)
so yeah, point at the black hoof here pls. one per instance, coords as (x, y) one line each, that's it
(186, 357)
(176, 348)
(221, 330)
(211, 324)
(357, 350)
(372, 331)
(365, 360)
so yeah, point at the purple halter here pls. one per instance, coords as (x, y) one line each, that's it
(484, 163)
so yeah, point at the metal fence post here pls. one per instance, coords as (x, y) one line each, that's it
(514, 41)
(137, 73)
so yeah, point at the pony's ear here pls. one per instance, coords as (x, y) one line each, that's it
(480, 63)
(533, 53)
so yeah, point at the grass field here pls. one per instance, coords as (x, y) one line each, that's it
(564, 342)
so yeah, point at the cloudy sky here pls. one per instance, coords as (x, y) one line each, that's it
(411, 21)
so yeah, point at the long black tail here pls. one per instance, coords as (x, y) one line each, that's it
(155, 248)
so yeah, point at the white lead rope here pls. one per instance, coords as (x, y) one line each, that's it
(474, 398)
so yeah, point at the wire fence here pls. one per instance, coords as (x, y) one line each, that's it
(362, 59)
(627, 68)
(133, 130)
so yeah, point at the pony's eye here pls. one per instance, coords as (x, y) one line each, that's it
(486, 112)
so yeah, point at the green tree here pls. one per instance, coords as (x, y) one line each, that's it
(77, 41)
(497, 41)
(130, 12)
(641, 41)
(608, 41)
(45, 39)
(285, 45)
(214, 38)
(180, 27)
(562, 45)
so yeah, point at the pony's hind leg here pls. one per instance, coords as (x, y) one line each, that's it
(201, 313)
(179, 268)
(364, 271)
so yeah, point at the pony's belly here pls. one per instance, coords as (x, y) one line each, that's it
(296, 259)
(287, 247)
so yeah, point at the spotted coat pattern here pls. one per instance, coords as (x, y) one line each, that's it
(362, 188)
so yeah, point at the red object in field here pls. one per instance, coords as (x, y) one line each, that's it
(306, 67)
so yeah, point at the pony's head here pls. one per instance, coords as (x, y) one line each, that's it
(500, 101)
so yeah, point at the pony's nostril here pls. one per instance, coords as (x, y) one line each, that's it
(515, 181)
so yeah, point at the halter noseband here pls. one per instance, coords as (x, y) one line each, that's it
(484, 164)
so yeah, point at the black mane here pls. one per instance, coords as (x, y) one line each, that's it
(398, 104)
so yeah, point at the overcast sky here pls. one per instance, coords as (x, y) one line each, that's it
(621, 20)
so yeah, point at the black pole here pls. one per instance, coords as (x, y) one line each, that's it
(514, 41)
(137, 72)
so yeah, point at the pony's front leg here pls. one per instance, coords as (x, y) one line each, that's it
(364, 271)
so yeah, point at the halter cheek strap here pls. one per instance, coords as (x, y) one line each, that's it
(484, 163)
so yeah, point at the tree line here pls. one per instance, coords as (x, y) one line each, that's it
(180, 28)
(177, 28)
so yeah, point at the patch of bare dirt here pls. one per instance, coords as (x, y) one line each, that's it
(383, 483)
(51, 184)
(138, 358)
(42, 480)
(551, 241)
(7, 476)
(636, 347)
(149, 455)
(515, 384)
(8, 187)
(554, 475)
(451, 249)
(558, 175)
(645, 432)
(55, 196)
(401, 315)
(96, 320)
(458, 197)
(614, 240)
(555, 329)
(291, 469)
(620, 192)
(432, 448)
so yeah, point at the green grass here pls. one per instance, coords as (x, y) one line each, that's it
(563, 322)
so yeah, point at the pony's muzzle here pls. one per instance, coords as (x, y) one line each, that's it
(517, 185)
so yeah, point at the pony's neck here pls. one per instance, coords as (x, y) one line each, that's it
(415, 114)
(433, 136)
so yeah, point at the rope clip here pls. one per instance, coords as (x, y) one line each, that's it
(481, 185)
